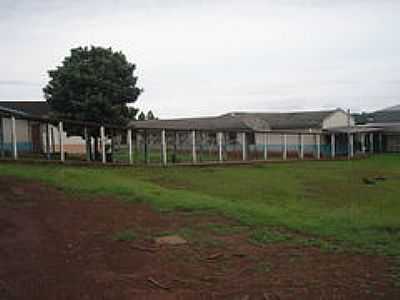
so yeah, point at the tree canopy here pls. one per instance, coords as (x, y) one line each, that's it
(93, 84)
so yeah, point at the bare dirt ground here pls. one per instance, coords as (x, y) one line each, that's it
(61, 246)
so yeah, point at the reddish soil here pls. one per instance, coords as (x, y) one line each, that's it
(60, 246)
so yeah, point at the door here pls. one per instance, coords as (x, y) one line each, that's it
(36, 138)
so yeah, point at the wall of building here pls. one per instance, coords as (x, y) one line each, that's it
(392, 142)
(72, 144)
(275, 142)
(337, 119)
(22, 131)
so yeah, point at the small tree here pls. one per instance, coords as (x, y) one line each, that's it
(93, 84)
(150, 115)
(142, 116)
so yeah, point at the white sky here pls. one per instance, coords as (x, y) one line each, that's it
(205, 57)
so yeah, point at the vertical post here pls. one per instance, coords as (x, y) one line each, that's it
(363, 140)
(175, 154)
(129, 141)
(2, 152)
(284, 146)
(103, 145)
(380, 142)
(301, 146)
(61, 136)
(14, 138)
(163, 148)
(194, 153)
(146, 147)
(371, 142)
(351, 145)
(93, 147)
(265, 146)
(220, 146)
(53, 140)
(333, 145)
(88, 143)
(318, 142)
(48, 141)
(244, 154)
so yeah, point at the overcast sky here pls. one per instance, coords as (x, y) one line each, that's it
(205, 57)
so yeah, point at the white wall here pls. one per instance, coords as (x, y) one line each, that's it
(337, 119)
(21, 128)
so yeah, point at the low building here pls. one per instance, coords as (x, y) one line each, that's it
(33, 135)
(314, 131)
(388, 122)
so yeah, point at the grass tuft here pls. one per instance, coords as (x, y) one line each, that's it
(124, 236)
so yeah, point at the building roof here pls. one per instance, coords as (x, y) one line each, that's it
(225, 122)
(237, 121)
(293, 120)
(382, 117)
(392, 108)
(32, 108)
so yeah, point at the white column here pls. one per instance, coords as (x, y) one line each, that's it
(284, 146)
(301, 146)
(318, 142)
(48, 149)
(265, 146)
(194, 152)
(129, 141)
(371, 142)
(14, 138)
(244, 154)
(333, 145)
(93, 147)
(61, 136)
(351, 145)
(163, 148)
(103, 144)
(220, 146)
(363, 142)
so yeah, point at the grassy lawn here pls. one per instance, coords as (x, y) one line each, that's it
(322, 203)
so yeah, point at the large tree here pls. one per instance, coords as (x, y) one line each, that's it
(93, 84)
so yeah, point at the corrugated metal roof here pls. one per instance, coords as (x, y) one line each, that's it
(389, 116)
(243, 121)
(33, 108)
(298, 120)
(205, 123)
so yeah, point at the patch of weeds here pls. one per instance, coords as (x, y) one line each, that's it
(224, 229)
(124, 236)
(311, 242)
(267, 236)
(164, 233)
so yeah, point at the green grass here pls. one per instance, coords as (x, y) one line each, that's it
(327, 200)
(124, 236)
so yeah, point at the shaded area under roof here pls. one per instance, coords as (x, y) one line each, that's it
(354, 129)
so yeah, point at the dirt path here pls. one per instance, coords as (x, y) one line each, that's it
(58, 246)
